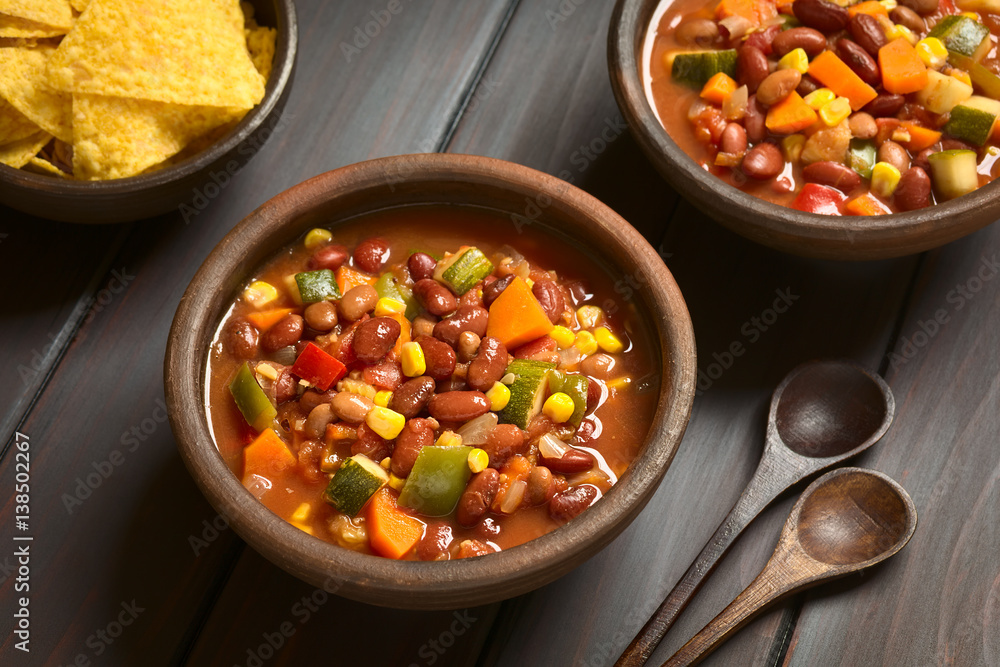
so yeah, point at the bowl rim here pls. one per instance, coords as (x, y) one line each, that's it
(787, 229)
(281, 73)
(414, 584)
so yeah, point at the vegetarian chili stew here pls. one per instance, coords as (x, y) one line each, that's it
(429, 396)
(847, 108)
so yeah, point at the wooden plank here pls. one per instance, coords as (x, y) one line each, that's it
(131, 538)
(938, 601)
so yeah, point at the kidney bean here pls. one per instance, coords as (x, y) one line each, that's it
(328, 257)
(763, 39)
(598, 365)
(751, 64)
(807, 85)
(859, 61)
(778, 85)
(439, 357)
(813, 42)
(539, 426)
(489, 365)
(386, 375)
(949, 144)
(885, 105)
(374, 338)
(311, 398)
(922, 158)
(753, 121)
(922, 7)
(913, 191)
(862, 125)
(466, 318)
(824, 16)
(503, 442)
(574, 460)
(867, 32)
(416, 434)
(478, 497)
(358, 301)
(371, 254)
(697, 32)
(541, 486)
(495, 289)
(907, 17)
(458, 406)
(352, 408)
(474, 297)
(287, 331)
(242, 339)
(569, 503)
(540, 349)
(733, 141)
(833, 174)
(316, 422)
(371, 444)
(436, 298)
(435, 542)
(763, 161)
(321, 316)
(285, 387)
(597, 393)
(894, 154)
(309, 456)
(421, 266)
(411, 396)
(550, 298)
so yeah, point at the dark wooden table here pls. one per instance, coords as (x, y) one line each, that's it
(129, 565)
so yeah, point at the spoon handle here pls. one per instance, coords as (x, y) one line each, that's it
(768, 481)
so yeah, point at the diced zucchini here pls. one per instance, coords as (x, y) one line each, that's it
(317, 286)
(357, 480)
(437, 480)
(388, 286)
(463, 270)
(973, 120)
(574, 386)
(695, 68)
(527, 392)
(963, 36)
(983, 79)
(953, 173)
(943, 93)
(251, 400)
(861, 157)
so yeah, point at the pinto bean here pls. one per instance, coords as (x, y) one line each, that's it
(466, 318)
(503, 442)
(922, 7)
(242, 339)
(435, 297)
(763, 162)
(328, 257)
(598, 365)
(421, 266)
(833, 174)
(489, 365)
(550, 298)
(751, 63)
(287, 331)
(813, 42)
(778, 85)
(733, 140)
(907, 17)
(468, 344)
(541, 486)
(859, 61)
(374, 338)
(477, 497)
(412, 396)
(416, 434)
(574, 460)
(316, 422)
(824, 16)
(438, 356)
(914, 190)
(352, 408)
(894, 154)
(371, 254)
(885, 105)
(358, 301)
(495, 289)
(458, 406)
(863, 125)
(867, 32)
(570, 503)
(321, 316)
(702, 33)
(311, 398)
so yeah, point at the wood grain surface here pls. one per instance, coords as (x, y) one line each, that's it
(524, 81)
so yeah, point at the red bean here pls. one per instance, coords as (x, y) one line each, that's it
(763, 40)
(570, 503)
(913, 191)
(751, 64)
(374, 338)
(458, 406)
(551, 299)
(439, 357)
(416, 434)
(287, 331)
(466, 318)
(242, 339)
(328, 257)
(833, 174)
(371, 254)
(763, 162)
(922, 7)
(753, 121)
(311, 398)
(495, 289)
(434, 545)
(412, 396)
(478, 497)
(734, 139)
(386, 375)
(489, 365)
(824, 16)
(421, 266)
(813, 42)
(503, 442)
(859, 61)
(574, 460)
(922, 158)
(885, 105)
(371, 444)
(435, 297)
(867, 32)
(285, 387)
(807, 85)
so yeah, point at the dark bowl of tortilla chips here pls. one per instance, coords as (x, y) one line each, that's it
(110, 114)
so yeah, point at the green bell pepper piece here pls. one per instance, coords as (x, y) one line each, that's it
(574, 386)
(253, 403)
(437, 481)
(861, 157)
(317, 286)
(388, 287)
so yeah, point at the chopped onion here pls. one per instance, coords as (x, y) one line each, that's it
(552, 447)
(512, 499)
(569, 358)
(475, 431)
(257, 485)
(735, 107)
(734, 27)
(696, 108)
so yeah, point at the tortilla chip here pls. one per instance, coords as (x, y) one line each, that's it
(42, 166)
(260, 43)
(23, 84)
(14, 125)
(55, 13)
(19, 153)
(12, 26)
(115, 137)
(79, 5)
(180, 51)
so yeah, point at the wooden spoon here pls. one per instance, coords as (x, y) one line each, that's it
(847, 520)
(822, 413)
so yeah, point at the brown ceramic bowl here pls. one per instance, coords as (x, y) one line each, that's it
(808, 234)
(189, 182)
(335, 197)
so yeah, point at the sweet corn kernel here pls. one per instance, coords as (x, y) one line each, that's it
(260, 293)
(358, 387)
(833, 113)
(292, 288)
(499, 396)
(385, 463)
(317, 237)
(449, 439)
(386, 306)
(885, 178)
(819, 98)
(795, 59)
(387, 423)
(413, 360)
(478, 460)
(889, 4)
(901, 135)
(588, 316)
(962, 76)
(933, 52)
(396, 482)
(619, 383)
(559, 407)
(970, 15)
(303, 527)
(301, 513)
(607, 341)
(382, 398)
(529, 282)
(586, 343)
(898, 31)
(791, 147)
(564, 337)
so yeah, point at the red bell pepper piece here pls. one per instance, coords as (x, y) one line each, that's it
(316, 366)
(815, 198)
